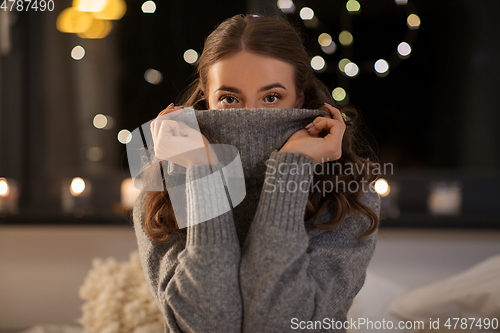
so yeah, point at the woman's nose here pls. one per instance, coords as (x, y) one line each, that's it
(250, 105)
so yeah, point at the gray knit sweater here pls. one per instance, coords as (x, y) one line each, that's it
(282, 275)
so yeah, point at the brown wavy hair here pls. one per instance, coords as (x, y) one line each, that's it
(274, 36)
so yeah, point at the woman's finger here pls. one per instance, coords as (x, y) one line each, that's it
(169, 109)
(334, 112)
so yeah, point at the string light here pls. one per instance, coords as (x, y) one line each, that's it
(381, 66)
(306, 13)
(339, 94)
(351, 69)
(78, 52)
(413, 21)
(345, 38)
(404, 49)
(353, 6)
(190, 56)
(318, 63)
(149, 7)
(286, 6)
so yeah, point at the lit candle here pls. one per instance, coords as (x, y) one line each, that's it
(9, 196)
(76, 196)
(129, 194)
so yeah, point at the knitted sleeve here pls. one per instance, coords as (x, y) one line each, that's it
(290, 277)
(194, 275)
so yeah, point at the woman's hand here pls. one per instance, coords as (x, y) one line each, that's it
(176, 142)
(321, 149)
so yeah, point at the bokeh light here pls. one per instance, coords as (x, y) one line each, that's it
(124, 136)
(4, 187)
(381, 66)
(413, 21)
(190, 56)
(345, 38)
(351, 69)
(318, 63)
(77, 186)
(78, 52)
(100, 121)
(95, 154)
(339, 94)
(153, 76)
(149, 7)
(401, 2)
(325, 39)
(382, 187)
(343, 63)
(330, 49)
(73, 21)
(353, 6)
(306, 13)
(113, 10)
(286, 6)
(97, 30)
(404, 49)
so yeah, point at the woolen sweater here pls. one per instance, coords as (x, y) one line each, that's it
(280, 274)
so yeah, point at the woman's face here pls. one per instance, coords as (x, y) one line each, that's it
(248, 80)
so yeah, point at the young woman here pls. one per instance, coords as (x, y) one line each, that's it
(298, 261)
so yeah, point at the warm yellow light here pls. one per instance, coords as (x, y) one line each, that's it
(124, 136)
(413, 21)
(89, 5)
(114, 10)
(382, 187)
(98, 29)
(4, 187)
(324, 39)
(73, 21)
(190, 56)
(77, 186)
(339, 94)
(306, 13)
(353, 6)
(343, 63)
(345, 38)
(100, 121)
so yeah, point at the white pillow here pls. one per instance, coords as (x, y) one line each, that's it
(474, 293)
(372, 300)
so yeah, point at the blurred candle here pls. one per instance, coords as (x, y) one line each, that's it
(445, 198)
(129, 194)
(9, 196)
(76, 196)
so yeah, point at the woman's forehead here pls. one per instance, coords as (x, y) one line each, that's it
(250, 70)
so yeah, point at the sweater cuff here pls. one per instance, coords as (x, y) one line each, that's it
(210, 217)
(285, 192)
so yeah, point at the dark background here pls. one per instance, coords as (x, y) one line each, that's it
(434, 117)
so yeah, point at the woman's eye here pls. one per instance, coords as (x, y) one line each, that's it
(228, 99)
(271, 98)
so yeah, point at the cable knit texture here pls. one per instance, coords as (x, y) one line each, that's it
(262, 272)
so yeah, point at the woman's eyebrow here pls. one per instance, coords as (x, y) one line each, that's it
(230, 89)
(238, 91)
(271, 86)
